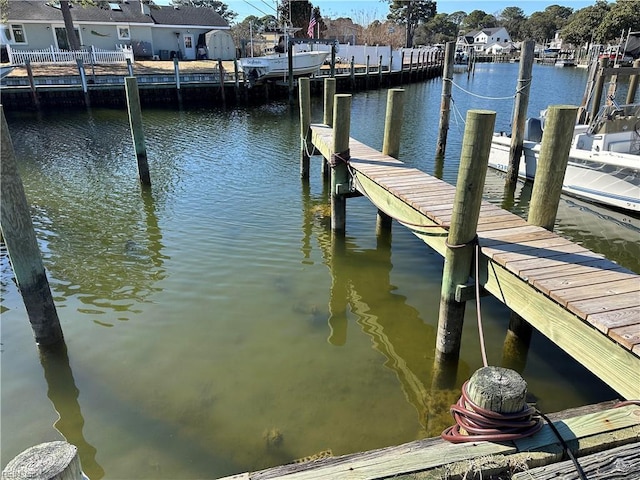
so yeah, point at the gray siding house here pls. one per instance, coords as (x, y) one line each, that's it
(152, 31)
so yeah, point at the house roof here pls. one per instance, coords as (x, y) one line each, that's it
(130, 11)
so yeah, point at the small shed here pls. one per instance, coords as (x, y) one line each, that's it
(220, 45)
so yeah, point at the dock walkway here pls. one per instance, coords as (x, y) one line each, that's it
(587, 305)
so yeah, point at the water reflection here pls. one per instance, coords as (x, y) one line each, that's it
(361, 286)
(63, 393)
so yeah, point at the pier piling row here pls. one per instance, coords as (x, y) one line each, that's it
(587, 305)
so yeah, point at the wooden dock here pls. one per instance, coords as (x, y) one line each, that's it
(587, 305)
(604, 438)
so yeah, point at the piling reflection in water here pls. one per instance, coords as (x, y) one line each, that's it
(63, 393)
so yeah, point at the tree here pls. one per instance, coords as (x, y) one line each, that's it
(440, 29)
(513, 19)
(219, 7)
(296, 15)
(477, 20)
(72, 36)
(584, 23)
(621, 17)
(411, 13)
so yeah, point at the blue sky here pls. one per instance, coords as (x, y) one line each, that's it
(366, 10)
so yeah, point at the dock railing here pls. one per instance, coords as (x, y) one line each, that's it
(54, 56)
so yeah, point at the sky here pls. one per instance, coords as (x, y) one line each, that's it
(362, 11)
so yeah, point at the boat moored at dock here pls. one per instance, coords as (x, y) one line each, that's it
(604, 158)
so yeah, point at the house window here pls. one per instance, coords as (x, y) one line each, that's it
(15, 33)
(123, 33)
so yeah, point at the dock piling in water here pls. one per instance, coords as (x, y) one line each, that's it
(476, 145)
(304, 92)
(551, 166)
(22, 245)
(520, 111)
(46, 461)
(137, 133)
(329, 92)
(633, 83)
(338, 162)
(447, 79)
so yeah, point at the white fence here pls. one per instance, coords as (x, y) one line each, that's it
(93, 56)
(390, 58)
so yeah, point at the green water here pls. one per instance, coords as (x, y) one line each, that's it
(213, 327)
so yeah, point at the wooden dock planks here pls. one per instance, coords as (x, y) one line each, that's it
(572, 283)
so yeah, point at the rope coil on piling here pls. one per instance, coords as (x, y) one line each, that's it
(474, 423)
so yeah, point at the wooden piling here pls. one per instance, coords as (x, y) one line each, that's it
(474, 156)
(366, 75)
(339, 170)
(551, 165)
(633, 83)
(497, 389)
(32, 84)
(290, 65)
(447, 79)
(329, 92)
(222, 92)
(391, 143)
(353, 73)
(520, 111)
(304, 92)
(393, 122)
(129, 67)
(543, 207)
(83, 81)
(137, 132)
(22, 246)
(46, 461)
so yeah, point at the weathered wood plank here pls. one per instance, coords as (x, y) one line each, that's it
(629, 336)
(581, 279)
(595, 290)
(620, 463)
(584, 308)
(618, 318)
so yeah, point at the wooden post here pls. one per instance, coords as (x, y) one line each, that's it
(329, 92)
(32, 84)
(520, 110)
(47, 461)
(380, 72)
(597, 94)
(391, 142)
(339, 171)
(222, 92)
(137, 133)
(353, 73)
(633, 83)
(447, 79)
(497, 389)
(393, 122)
(22, 245)
(304, 91)
(129, 67)
(333, 60)
(476, 145)
(83, 80)
(290, 59)
(401, 66)
(551, 165)
(367, 75)
(236, 76)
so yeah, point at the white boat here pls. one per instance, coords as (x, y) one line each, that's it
(276, 65)
(604, 159)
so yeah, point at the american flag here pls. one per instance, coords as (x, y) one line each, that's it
(312, 24)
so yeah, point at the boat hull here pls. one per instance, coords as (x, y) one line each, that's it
(277, 65)
(606, 178)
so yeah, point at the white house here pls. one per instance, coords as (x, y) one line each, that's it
(150, 29)
(492, 39)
